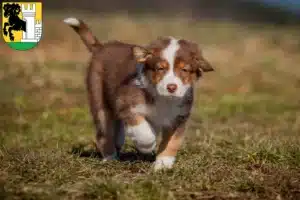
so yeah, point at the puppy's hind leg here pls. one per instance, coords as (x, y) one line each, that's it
(102, 115)
(105, 135)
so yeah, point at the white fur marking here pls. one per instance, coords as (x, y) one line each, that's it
(140, 109)
(164, 162)
(72, 21)
(169, 54)
(143, 136)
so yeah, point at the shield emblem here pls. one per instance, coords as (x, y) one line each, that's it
(22, 24)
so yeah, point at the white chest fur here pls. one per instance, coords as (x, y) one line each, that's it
(163, 112)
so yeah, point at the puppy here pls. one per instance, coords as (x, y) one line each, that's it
(141, 91)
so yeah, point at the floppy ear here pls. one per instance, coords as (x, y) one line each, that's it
(204, 65)
(201, 64)
(141, 54)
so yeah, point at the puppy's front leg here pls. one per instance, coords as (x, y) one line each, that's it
(141, 133)
(131, 107)
(172, 139)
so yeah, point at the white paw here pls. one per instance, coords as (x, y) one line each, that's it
(143, 137)
(164, 162)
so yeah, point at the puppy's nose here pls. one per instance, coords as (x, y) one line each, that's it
(172, 87)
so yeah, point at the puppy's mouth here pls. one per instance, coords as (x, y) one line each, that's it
(171, 97)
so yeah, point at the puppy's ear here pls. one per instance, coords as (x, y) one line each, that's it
(141, 54)
(204, 65)
(201, 64)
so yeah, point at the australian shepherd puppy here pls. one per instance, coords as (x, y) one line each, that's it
(140, 91)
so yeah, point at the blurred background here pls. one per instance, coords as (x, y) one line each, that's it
(273, 11)
(253, 45)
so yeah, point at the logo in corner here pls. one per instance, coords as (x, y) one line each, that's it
(22, 24)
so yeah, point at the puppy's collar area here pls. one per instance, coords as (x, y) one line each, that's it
(140, 82)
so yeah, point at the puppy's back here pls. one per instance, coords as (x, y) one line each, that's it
(116, 64)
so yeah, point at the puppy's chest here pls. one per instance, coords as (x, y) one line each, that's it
(164, 112)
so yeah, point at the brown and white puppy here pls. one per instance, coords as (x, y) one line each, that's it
(141, 91)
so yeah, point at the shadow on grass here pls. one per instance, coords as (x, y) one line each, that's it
(131, 156)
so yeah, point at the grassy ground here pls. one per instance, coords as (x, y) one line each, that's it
(243, 141)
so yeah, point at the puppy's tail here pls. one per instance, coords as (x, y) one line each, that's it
(90, 41)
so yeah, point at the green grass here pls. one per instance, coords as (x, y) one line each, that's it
(243, 139)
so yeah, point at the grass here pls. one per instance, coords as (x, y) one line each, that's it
(243, 140)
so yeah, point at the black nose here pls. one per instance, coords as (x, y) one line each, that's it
(172, 87)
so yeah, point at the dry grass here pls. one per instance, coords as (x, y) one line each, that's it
(243, 141)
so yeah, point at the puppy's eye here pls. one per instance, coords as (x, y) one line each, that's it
(185, 70)
(159, 68)
(183, 66)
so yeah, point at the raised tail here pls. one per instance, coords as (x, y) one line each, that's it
(84, 32)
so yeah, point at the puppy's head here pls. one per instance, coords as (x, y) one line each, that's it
(172, 66)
